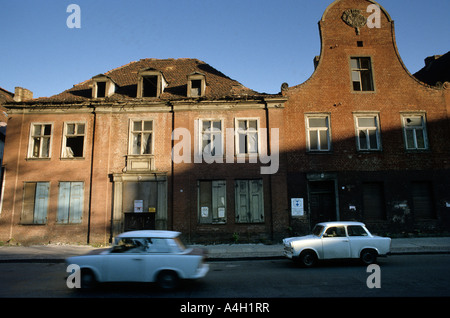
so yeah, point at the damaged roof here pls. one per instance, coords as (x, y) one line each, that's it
(175, 72)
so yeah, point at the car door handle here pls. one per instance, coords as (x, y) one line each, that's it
(137, 259)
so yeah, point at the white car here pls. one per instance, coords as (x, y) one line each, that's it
(336, 240)
(142, 256)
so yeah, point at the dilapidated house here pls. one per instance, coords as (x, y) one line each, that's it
(144, 146)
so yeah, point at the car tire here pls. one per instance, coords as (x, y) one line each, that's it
(88, 279)
(307, 259)
(368, 257)
(167, 280)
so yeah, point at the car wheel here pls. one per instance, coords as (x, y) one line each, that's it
(368, 257)
(167, 280)
(88, 280)
(308, 259)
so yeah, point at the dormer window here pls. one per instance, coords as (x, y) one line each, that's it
(196, 85)
(151, 83)
(103, 86)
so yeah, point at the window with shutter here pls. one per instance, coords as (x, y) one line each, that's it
(249, 201)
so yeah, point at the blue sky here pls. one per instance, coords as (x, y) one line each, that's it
(260, 43)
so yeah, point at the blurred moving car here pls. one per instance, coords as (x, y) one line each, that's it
(336, 240)
(142, 256)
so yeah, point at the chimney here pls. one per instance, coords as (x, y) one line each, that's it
(22, 94)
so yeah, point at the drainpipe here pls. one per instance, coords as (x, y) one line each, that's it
(91, 177)
(269, 153)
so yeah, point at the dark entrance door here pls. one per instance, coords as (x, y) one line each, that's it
(139, 205)
(322, 201)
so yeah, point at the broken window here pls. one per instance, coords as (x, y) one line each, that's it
(40, 140)
(74, 140)
(196, 88)
(415, 132)
(150, 86)
(101, 89)
(367, 133)
(318, 133)
(211, 134)
(247, 136)
(141, 137)
(361, 70)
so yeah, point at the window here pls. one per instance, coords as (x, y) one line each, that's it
(414, 130)
(101, 89)
(247, 136)
(40, 141)
(196, 88)
(70, 202)
(102, 86)
(367, 132)
(73, 142)
(361, 69)
(151, 83)
(211, 137)
(150, 86)
(249, 201)
(356, 230)
(196, 85)
(35, 203)
(318, 133)
(335, 231)
(212, 201)
(141, 137)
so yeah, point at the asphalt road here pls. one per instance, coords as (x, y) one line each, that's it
(399, 276)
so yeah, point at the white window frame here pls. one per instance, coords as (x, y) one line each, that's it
(132, 132)
(32, 137)
(366, 130)
(238, 132)
(414, 129)
(220, 150)
(318, 130)
(64, 151)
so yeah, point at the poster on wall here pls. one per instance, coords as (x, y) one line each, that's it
(138, 206)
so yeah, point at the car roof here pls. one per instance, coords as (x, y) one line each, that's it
(150, 233)
(336, 223)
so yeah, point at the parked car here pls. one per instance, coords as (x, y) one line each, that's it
(336, 240)
(142, 256)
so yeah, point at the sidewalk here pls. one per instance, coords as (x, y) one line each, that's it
(54, 253)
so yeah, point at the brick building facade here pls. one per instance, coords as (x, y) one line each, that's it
(175, 144)
(96, 160)
(366, 140)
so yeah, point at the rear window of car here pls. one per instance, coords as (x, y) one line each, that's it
(356, 230)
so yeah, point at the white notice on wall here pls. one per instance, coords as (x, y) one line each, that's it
(297, 207)
(204, 211)
(138, 206)
(221, 212)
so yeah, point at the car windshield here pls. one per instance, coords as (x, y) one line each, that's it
(317, 230)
